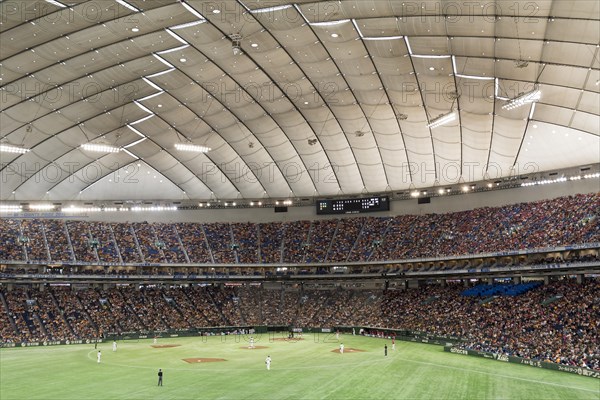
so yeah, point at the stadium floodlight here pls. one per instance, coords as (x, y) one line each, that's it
(442, 119)
(522, 99)
(7, 148)
(11, 208)
(100, 148)
(194, 148)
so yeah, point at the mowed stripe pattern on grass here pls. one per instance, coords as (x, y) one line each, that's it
(299, 370)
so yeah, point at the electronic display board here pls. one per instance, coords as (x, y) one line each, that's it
(353, 206)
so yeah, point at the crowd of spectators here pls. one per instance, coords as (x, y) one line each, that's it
(170, 242)
(370, 238)
(542, 224)
(105, 242)
(250, 304)
(151, 247)
(10, 233)
(271, 240)
(127, 243)
(226, 301)
(52, 316)
(194, 241)
(58, 240)
(83, 244)
(557, 322)
(220, 240)
(191, 315)
(28, 329)
(33, 230)
(203, 305)
(245, 240)
(320, 239)
(295, 241)
(75, 313)
(346, 235)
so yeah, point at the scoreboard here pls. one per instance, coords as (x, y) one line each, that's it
(353, 206)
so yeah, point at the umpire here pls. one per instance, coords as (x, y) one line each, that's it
(160, 374)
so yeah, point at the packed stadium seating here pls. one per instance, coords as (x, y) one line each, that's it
(556, 322)
(557, 222)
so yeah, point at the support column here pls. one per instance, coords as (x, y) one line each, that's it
(580, 278)
(546, 280)
(517, 280)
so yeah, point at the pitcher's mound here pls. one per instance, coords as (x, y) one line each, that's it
(253, 348)
(202, 360)
(164, 346)
(348, 350)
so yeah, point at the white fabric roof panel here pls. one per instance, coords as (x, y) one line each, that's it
(582, 9)
(328, 87)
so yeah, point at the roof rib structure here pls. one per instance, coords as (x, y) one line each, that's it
(293, 99)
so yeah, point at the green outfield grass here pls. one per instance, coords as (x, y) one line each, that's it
(306, 369)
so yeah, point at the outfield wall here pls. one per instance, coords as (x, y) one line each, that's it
(518, 360)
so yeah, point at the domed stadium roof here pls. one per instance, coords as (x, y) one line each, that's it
(311, 98)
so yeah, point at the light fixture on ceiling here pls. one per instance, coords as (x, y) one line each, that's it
(523, 98)
(453, 95)
(402, 117)
(442, 119)
(11, 208)
(100, 148)
(521, 63)
(9, 148)
(194, 148)
(236, 43)
(312, 142)
(42, 207)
